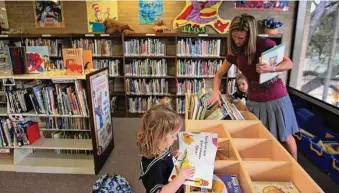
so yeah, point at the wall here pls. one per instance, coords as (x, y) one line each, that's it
(75, 17)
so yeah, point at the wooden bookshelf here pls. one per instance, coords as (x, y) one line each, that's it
(118, 48)
(52, 153)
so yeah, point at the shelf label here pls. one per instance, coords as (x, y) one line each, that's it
(89, 35)
(263, 35)
(45, 35)
(5, 151)
(3, 36)
(202, 35)
(63, 80)
(150, 34)
(16, 117)
(104, 35)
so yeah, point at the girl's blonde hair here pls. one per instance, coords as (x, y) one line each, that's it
(244, 23)
(239, 77)
(158, 122)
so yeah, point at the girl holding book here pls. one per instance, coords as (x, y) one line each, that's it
(159, 129)
(269, 101)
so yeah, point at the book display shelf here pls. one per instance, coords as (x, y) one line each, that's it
(253, 154)
(62, 139)
(143, 68)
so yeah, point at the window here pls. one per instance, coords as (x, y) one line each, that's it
(316, 51)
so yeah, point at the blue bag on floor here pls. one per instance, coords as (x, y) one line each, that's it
(112, 184)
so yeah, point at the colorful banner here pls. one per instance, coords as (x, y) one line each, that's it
(260, 5)
(149, 11)
(98, 11)
(48, 14)
(101, 110)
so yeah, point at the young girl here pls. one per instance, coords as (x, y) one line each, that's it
(242, 87)
(159, 128)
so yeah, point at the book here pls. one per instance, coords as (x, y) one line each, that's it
(222, 184)
(262, 186)
(37, 58)
(88, 61)
(73, 60)
(272, 56)
(197, 150)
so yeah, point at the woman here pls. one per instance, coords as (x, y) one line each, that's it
(268, 101)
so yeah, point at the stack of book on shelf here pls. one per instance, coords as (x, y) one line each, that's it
(201, 110)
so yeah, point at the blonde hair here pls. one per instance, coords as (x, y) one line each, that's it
(158, 122)
(239, 77)
(243, 23)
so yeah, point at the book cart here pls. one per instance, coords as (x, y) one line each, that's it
(64, 155)
(254, 154)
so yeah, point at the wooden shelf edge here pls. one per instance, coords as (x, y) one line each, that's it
(64, 144)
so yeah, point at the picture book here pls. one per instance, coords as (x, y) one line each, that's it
(262, 186)
(88, 61)
(197, 150)
(73, 60)
(222, 184)
(37, 58)
(5, 61)
(17, 57)
(272, 56)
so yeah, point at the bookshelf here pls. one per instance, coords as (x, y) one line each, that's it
(243, 143)
(68, 143)
(116, 52)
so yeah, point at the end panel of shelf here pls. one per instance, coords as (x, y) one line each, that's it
(66, 144)
(6, 162)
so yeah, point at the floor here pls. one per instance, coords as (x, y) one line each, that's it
(124, 160)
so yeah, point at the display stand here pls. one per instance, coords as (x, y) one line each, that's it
(41, 156)
(254, 154)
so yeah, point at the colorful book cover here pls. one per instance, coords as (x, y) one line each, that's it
(5, 61)
(37, 58)
(73, 60)
(273, 57)
(18, 60)
(197, 150)
(88, 61)
(286, 187)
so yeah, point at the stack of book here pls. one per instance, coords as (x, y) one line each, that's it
(200, 109)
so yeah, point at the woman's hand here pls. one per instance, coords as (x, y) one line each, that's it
(215, 98)
(264, 67)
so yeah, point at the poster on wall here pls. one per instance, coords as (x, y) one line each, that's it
(98, 11)
(101, 110)
(48, 14)
(262, 5)
(150, 10)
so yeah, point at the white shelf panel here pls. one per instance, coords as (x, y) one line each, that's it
(33, 114)
(66, 144)
(6, 163)
(3, 111)
(50, 162)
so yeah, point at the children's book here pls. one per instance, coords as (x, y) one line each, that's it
(17, 55)
(73, 60)
(37, 58)
(262, 186)
(88, 61)
(272, 56)
(197, 150)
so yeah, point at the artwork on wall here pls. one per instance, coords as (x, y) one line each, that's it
(98, 11)
(3, 15)
(262, 5)
(48, 14)
(150, 10)
(199, 14)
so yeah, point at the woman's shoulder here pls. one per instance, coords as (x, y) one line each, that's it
(265, 43)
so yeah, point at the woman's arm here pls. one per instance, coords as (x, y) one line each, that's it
(225, 66)
(286, 64)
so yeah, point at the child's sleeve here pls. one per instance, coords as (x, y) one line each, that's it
(155, 179)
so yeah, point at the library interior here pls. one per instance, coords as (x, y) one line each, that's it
(194, 96)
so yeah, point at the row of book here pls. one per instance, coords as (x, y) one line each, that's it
(146, 67)
(141, 104)
(180, 105)
(57, 99)
(192, 86)
(198, 47)
(54, 45)
(144, 47)
(143, 86)
(71, 135)
(99, 47)
(200, 68)
(112, 64)
(66, 123)
(200, 109)
(233, 71)
(231, 86)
